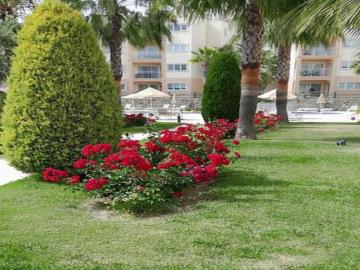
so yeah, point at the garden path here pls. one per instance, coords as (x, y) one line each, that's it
(9, 173)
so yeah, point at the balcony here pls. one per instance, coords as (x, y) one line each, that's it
(148, 55)
(148, 75)
(315, 72)
(319, 51)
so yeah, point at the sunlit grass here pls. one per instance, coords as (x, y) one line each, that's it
(292, 202)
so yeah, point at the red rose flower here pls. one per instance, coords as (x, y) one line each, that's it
(112, 161)
(75, 179)
(53, 175)
(218, 160)
(82, 163)
(237, 154)
(235, 142)
(220, 147)
(87, 150)
(177, 194)
(131, 144)
(95, 183)
(102, 148)
(152, 147)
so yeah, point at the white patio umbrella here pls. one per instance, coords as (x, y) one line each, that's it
(271, 95)
(173, 101)
(321, 101)
(148, 93)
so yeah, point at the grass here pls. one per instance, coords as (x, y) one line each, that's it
(292, 202)
(156, 127)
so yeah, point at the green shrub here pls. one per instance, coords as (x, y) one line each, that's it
(222, 89)
(61, 94)
(2, 103)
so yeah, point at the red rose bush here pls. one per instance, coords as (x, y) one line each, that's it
(146, 177)
(133, 120)
(265, 121)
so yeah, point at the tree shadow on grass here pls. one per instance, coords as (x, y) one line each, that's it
(240, 185)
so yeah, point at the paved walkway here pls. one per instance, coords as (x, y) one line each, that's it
(9, 173)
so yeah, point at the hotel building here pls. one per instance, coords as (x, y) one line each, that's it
(320, 70)
(169, 69)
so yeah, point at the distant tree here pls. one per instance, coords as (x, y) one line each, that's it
(8, 28)
(116, 24)
(222, 88)
(356, 66)
(203, 57)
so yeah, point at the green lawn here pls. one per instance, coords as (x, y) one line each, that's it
(156, 127)
(292, 202)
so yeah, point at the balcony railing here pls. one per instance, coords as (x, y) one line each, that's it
(147, 75)
(308, 93)
(318, 51)
(148, 55)
(315, 72)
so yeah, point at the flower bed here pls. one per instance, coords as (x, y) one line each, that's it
(135, 120)
(147, 177)
(150, 176)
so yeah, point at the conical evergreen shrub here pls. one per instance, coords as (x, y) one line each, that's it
(61, 94)
(221, 97)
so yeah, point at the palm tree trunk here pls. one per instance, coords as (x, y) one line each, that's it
(115, 45)
(250, 62)
(282, 81)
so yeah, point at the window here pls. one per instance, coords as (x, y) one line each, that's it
(178, 47)
(310, 89)
(177, 67)
(179, 27)
(345, 64)
(149, 53)
(176, 86)
(349, 86)
(148, 72)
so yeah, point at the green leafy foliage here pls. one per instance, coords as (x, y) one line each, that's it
(222, 88)
(2, 103)
(60, 91)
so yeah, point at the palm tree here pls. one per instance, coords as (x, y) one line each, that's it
(116, 24)
(14, 8)
(356, 66)
(203, 57)
(9, 12)
(249, 13)
(8, 28)
(344, 13)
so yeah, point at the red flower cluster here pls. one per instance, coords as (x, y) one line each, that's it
(54, 175)
(75, 179)
(161, 167)
(139, 119)
(82, 163)
(264, 121)
(130, 144)
(90, 149)
(204, 174)
(131, 158)
(177, 159)
(95, 183)
(218, 160)
(152, 147)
